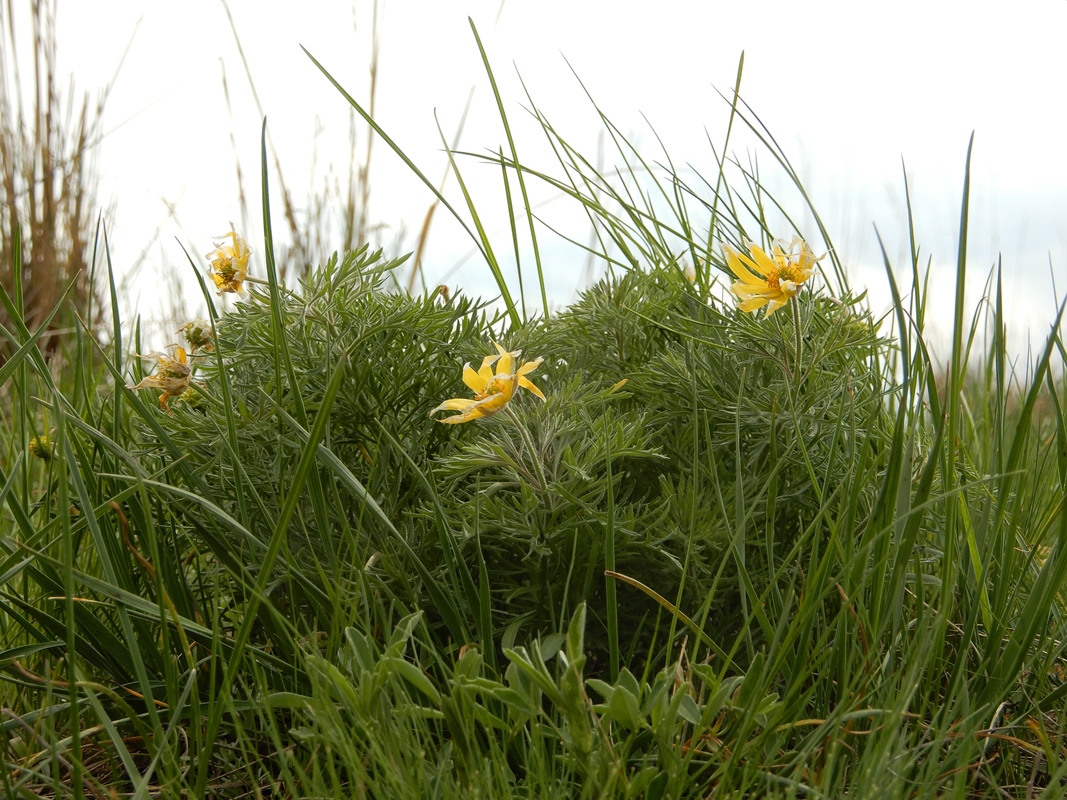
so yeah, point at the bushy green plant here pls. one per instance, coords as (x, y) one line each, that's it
(395, 354)
(682, 417)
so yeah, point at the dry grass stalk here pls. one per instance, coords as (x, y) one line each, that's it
(48, 175)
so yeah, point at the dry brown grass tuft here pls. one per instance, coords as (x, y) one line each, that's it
(48, 175)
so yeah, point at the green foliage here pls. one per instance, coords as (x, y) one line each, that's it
(398, 355)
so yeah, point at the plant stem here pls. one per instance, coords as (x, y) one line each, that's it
(526, 440)
(800, 342)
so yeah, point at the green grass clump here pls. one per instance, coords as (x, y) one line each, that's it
(728, 555)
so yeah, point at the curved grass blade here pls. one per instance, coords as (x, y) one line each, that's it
(480, 240)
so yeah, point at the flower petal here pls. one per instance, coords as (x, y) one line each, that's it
(733, 261)
(504, 365)
(764, 264)
(494, 402)
(475, 381)
(467, 416)
(485, 372)
(774, 303)
(455, 404)
(529, 366)
(526, 383)
(753, 303)
(747, 290)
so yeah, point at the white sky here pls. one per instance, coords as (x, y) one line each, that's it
(847, 88)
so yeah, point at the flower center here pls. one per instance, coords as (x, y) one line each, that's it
(784, 277)
(499, 384)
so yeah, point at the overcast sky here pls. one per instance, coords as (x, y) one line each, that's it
(849, 89)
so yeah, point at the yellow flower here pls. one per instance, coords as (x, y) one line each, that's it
(770, 280)
(492, 390)
(198, 334)
(41, 447)
(173, 376)
(229, 263)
